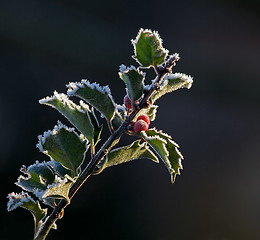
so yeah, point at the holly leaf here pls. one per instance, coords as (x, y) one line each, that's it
(120, 116)
(117, 121)
(129, 153)
(148, 48)
(134, 81)
(38, 177)
(175, 157)
(59, 170)
(59, 190)
(171, 83)
(97, 96)
(25, 201)
(64, 145)
(159, 146)
(150, 112)
(77, 115)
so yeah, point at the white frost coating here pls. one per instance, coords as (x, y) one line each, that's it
(123, 68)
(187, 78)
(37, 164)
(120, 108)
(147, 87)
(17, 199)
(38, 193)
(165, 135)
(62, 98)
(58, 180)
(74, 86)
(84, 106)
(27, 171)
(46, 134)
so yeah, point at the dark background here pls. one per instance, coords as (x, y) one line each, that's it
(46, 44)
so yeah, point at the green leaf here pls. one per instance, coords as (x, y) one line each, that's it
(63, 145)
(175, 157)
(77, 115)
(59, 170)
(117, 121)
(148, 48)
(159, 145)
(38, 177)
(59, 190)
(97, 96)
(171, 83)
(120, 116)
(134, 81)
(25, 201)
(97, 127)
(129, 153)
(150, 112)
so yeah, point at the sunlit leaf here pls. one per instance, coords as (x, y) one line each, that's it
(25, 201)
(175, 157)
(99, 97)
(37, 177)
(148, 48)
(63, 145)
(59, 190)
(59, 170)
(129, 153)
(171, 83)
(77, 115)
(150, 112)
(159, 145)
(134, 81)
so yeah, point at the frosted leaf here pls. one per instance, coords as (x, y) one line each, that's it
(128, 153)
(134, 81)
(148, 48)
(59, 189)
(25, 201)
(37, 177)
(172, 82)
(18, 199)
(175, 157)
(58, 169)
(97, 96)
(63, 99)
(150, 112)
(159, 145)
(64, 145)
(78, 115)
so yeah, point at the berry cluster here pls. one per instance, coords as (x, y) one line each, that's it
(142, 123)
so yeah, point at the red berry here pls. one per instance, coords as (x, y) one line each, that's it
(127, 102)
(144, 118)
(140, 126)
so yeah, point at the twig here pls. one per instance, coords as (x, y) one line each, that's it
(115, 135)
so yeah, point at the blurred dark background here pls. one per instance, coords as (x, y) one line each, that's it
(46, 44)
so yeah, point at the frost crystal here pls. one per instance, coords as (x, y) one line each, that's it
(123, 68)
(74, 86)
(17, 199)
(63, 98)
